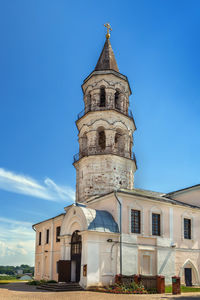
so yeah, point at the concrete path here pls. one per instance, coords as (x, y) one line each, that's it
(22, 291)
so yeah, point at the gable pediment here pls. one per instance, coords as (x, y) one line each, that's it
(190, 195)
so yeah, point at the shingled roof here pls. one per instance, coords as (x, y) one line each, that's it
(107, 59)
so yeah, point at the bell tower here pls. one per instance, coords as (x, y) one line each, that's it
(105, 161)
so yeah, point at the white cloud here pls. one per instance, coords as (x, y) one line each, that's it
(16, 242)
(21, 184)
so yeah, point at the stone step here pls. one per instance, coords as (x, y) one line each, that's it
(60, 287)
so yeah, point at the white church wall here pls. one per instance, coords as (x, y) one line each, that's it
(129, 254)
(93, 264)
(166, 263)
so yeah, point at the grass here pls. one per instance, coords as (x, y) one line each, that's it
(184, 289)
(11, 280)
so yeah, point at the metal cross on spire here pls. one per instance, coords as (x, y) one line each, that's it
(107, 25)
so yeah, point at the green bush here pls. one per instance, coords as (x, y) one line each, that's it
(38, 282)
(34, 282)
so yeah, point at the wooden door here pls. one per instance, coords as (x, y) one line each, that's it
(188, 276)
(64, 270)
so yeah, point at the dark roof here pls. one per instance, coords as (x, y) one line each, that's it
(48, 219)
(107, 59)
(147, 194)
(156, 196)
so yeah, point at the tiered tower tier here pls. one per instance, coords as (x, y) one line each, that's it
(105, 161)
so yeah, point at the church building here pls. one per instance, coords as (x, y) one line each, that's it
(113, 227)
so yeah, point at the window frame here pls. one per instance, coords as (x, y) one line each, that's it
(156, 231)
(47, 236)
(187, 228)
(190, 216)
(156, 210)
(39, 238)
(136, 206)
(58, 239)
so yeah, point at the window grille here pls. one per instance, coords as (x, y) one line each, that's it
(76, 244)
(135, 221)
(187, 229)
(155, 224)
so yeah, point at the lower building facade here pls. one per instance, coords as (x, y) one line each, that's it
(128, 232)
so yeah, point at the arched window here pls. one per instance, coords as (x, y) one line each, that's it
(102, 97)
(117, 104)
(102, 139)
(75, 244)
(117, 137)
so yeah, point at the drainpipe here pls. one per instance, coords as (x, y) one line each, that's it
(120, 229)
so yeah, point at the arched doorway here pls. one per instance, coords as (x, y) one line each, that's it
(76, 248)
(189, 273)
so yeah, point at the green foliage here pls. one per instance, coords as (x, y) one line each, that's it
(7, 277)
(11, 270)
(152, 291)
(38, 282)
(34, 282)
(184, 289)
(51, 281)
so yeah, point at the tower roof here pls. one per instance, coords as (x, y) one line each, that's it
(107, 59)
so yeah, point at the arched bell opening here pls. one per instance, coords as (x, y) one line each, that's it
(76, 249)
(117, 100)
(102, 97)
(88, 107)
(119, 142)
(84, 145)
(101, 139)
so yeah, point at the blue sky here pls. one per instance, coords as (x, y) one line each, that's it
(47, 49)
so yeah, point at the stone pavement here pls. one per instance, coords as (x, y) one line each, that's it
(22, 291)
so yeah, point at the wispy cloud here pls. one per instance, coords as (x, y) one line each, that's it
(22, 184)
(16, 242)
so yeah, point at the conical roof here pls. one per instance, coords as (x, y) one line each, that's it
(107, 59)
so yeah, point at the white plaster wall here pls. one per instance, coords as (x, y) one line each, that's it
(129, 254)
(93, 263)
(166, 263)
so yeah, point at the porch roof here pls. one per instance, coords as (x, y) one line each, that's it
(99, 220)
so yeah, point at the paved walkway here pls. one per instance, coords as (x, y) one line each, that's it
(22, 291)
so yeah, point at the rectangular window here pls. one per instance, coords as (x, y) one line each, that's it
(57, 234)
(187, 229)
(135, 221)
(40, 238)
(155, 224)
(47, 236)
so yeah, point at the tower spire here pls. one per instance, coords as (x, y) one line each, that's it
(107, 59)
